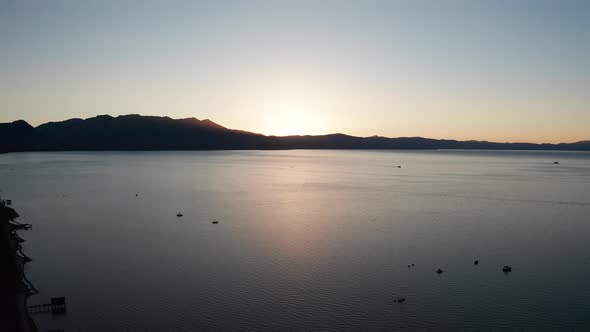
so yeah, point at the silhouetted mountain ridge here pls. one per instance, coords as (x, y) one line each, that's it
(137, 132)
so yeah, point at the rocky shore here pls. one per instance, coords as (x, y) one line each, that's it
(15, 289)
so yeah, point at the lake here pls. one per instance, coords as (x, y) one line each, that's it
(306, 240)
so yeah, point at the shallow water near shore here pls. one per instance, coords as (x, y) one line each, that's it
(306, 239)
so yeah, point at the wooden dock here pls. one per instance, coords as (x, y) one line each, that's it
(57, 306)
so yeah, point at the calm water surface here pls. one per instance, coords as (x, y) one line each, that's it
(314, 240)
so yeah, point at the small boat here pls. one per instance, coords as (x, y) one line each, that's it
(475, 262)
(399, 299)
(439, 271)
(179, 214)
(506, 269)
(214, 222)
(8, 202)
(556, 162)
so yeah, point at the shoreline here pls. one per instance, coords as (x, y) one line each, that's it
(304, 149)
(15, 288)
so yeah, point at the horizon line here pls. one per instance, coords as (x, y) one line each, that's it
(582, 140)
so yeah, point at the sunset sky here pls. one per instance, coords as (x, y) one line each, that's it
(486, 70)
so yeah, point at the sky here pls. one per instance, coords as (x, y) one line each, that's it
(484, 70)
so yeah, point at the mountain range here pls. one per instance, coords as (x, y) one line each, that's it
(136, 132)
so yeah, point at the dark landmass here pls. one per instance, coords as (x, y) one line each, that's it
(136, 132)
(14, 287)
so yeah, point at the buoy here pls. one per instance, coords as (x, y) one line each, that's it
(476, 262)
(439, 271)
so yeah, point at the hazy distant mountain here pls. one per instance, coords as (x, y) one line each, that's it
(135, 132)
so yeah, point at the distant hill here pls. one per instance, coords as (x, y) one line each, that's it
(136, 132)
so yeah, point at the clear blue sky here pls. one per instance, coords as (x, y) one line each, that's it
(494, 70)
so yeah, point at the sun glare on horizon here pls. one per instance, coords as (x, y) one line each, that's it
(286, 117)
